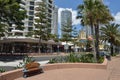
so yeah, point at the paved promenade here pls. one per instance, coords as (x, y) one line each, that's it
(114, 68)
(70, 74)
(111, 73)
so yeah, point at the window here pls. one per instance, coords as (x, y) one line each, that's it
(31, 13)
(10, 29)
(50, 1)
(30, 28)
(50, 11)
(31, 7)
(31, 3)
(30, 24)
(30, 17)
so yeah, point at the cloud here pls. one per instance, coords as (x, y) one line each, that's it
(117, 17)
(74, 14)
(75, 21)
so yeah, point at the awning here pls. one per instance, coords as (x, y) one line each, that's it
(28, 40)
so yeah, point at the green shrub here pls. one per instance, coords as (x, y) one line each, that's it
(26, 60)
(73, 58)
(2, 70)
(59, 59)
(86, 58)
(20, 65)
(101, 59)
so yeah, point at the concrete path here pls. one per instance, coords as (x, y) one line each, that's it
(111, 73)
(71, 74)
(114, 68)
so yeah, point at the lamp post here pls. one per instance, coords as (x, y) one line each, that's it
(66, 47)
(58, 48)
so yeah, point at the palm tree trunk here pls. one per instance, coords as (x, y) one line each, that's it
(92, 33)
(97, 40)
(111, 48)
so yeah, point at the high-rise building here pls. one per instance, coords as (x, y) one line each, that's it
(31, 9)
(65, 16)
(49, 11)
(54, 27)
(29, 21)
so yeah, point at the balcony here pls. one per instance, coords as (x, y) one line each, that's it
(50, 1)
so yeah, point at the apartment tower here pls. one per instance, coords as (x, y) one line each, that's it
(65, 16)
(31, 9)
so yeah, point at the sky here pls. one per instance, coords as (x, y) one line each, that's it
(113, 5)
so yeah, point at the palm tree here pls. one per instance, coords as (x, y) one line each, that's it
(102, 16)
(93, 13)
(111, 34)
(85, 13)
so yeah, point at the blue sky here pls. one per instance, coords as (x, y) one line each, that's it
(114, 6)
(68, 3)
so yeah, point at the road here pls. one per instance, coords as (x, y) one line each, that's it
(10, 62)
(44, 58)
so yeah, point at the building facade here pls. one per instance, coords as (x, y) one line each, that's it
(31, 9)
(54, 27)
(65, 16)
(17, 42)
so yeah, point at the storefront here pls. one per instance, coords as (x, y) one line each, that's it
(26, 45)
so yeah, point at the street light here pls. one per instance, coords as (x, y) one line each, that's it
(66, 47)
(58, 48)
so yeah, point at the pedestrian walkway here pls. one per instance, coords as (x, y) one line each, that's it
(114, 68)
(70, 74)
(112, 73)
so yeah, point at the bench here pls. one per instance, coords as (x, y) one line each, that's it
(31, 69)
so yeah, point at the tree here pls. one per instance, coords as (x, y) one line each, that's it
(88, 45)
(11, 13)
(102, 16)
(85, 13)
(3, 28)
(42, 24)
(74, 36)
(54, 37)
(67, 31)
(93, 13)
(111, 34)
